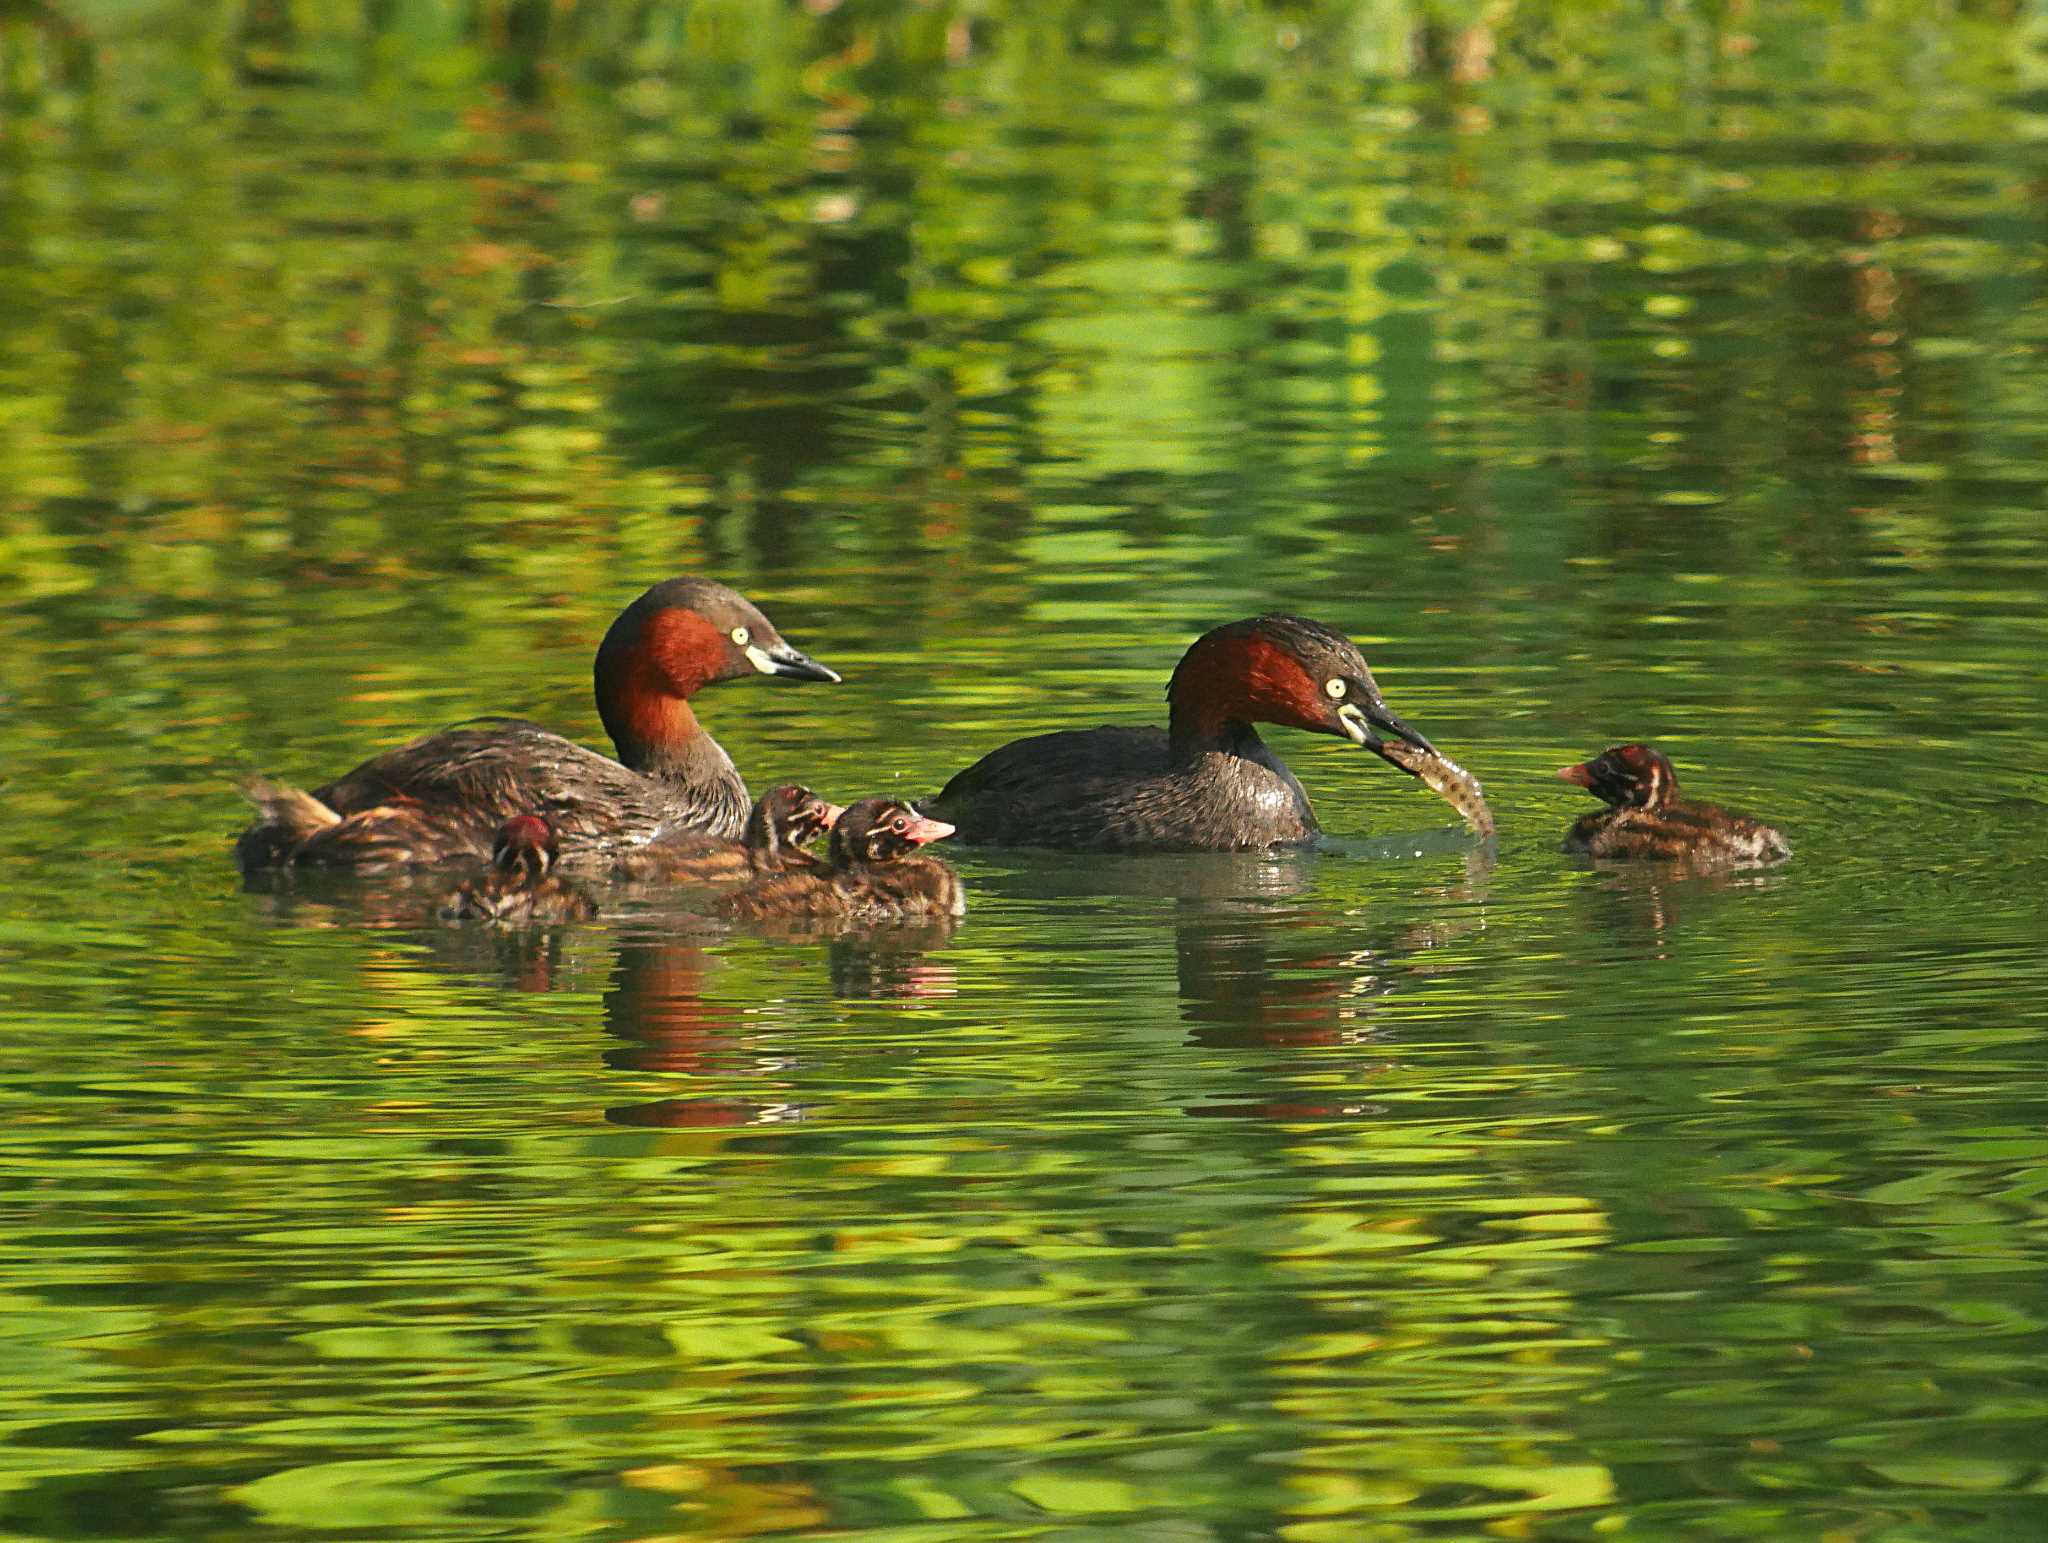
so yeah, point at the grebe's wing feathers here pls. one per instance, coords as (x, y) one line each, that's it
(1009, 792)
(474, 778)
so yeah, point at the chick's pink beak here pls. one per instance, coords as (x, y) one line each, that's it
(1579, 774)
(922, 830)
(830, 812)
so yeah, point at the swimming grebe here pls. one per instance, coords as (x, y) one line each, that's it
(1648, 820)
(441, 797)
(1206, 783)
(875, 874)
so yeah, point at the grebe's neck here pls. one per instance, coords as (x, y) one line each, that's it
(1230, 679)
(658, 736)
(1196, 727)
(648, 668)
(764, 836)
(655, 731)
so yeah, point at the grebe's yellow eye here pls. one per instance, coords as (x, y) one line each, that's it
(740, 636)
(1334, 688)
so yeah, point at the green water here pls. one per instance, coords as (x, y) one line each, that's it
(1608, 371)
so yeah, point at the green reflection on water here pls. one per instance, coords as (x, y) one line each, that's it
(1606, 372)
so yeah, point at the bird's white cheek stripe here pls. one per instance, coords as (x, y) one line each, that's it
(1354, 723)
(758, 657)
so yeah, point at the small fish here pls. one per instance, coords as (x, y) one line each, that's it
(1446, 777)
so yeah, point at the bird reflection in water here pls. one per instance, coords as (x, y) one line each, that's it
(528, 956)
(1644, 907)
(319, 898)
(530, 959)
(885, 963)
(659, 1007)
(1262, 967)
(1251, 980)
(666, 1018)
(660, 999)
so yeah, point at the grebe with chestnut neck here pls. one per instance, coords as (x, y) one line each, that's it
(1647, 821)
(876, 874)
(1206, 782)
(441, 798)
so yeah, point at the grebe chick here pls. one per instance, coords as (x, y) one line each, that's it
(876, 874)
(522, 885)
(785, 820)
(1648, 821)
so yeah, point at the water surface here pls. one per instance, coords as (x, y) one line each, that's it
(1607, 375)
